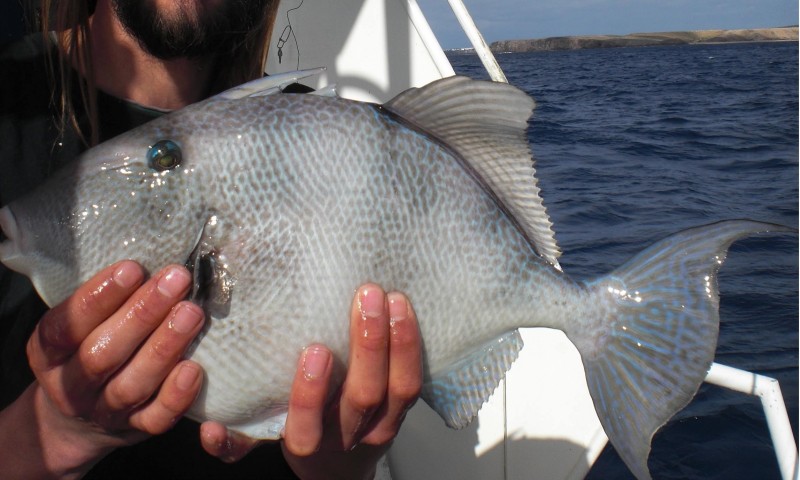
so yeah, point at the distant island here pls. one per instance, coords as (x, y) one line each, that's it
(783, 34)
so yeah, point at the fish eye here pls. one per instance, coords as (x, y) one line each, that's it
(164, 155)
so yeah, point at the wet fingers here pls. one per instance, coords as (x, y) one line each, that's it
(175, 396)
(64, 328)
(109, 346)
(405, 371)
(155, 359)
(365, 385)
(304, 422)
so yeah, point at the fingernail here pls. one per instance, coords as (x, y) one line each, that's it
(398, 308)
(127, 275)
(315, 362)
(174, 282)
(187, 376)
(371, 303)
(185, 318)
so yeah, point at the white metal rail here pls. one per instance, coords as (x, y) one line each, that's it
(480, 45)
(769, 391)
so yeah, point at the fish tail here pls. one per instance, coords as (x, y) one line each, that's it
(655, 333)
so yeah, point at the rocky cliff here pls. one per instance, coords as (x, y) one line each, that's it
(647, 39)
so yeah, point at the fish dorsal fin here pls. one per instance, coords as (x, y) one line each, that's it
(485, 123)
(459, 392)
(267, 85)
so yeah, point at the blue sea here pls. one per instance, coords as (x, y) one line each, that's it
(633, 144)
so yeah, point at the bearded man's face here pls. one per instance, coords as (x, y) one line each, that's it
(189, 28)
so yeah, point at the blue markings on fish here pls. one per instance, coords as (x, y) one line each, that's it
(276, 198)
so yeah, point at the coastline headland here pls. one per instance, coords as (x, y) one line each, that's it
(784, 34)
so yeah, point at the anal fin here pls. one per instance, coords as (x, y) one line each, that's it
(458, 393)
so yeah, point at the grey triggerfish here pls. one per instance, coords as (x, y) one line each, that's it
(269, 196)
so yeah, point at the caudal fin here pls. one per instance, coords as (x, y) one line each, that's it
(656, 334)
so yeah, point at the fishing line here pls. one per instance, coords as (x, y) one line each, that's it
(287, 31)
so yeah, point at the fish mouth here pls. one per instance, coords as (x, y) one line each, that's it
(8, 225)
(9, 232)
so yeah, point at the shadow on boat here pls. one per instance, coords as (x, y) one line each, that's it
(426, 448)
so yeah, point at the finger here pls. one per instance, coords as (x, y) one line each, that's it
(227, 445)
(405, 371)
(113, 342)
(141, 376)
(63, 328)
(364, 388)
(177, 393)
(303, 430)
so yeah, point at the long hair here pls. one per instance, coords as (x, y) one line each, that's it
(68, 21)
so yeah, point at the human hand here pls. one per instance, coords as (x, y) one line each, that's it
(107, 365)
(384, 378)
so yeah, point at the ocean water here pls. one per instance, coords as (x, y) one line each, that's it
(634, 144)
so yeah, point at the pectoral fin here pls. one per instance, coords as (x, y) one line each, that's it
(214, 280)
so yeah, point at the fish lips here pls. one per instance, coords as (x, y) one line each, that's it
(9, 236)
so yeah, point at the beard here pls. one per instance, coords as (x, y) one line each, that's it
(193, 29)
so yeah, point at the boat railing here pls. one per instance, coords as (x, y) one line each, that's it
(769, 391)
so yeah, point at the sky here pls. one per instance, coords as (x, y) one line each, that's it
(521, 19)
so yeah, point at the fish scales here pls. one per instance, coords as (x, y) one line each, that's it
(283, 204)
(370, 208)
